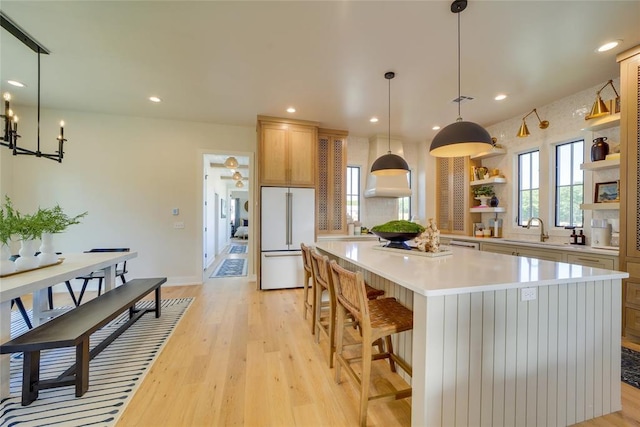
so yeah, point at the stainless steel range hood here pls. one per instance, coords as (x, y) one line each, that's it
(385, 186)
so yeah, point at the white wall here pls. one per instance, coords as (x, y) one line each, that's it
(128, 173)
(378, 210)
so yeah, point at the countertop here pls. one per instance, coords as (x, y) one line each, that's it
(464, 271)
(534, 244)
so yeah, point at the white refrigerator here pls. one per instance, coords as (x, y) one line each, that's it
(287, 219)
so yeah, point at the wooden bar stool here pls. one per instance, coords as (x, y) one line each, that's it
(324, 283)
(378, 318)
(308, 275)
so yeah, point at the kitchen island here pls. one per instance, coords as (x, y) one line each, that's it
(481, 353)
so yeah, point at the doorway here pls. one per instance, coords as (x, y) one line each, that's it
(226, 214)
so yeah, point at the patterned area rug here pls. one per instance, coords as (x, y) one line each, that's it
(631, 367)
(237, 249)
(231, 268)
(114, 375)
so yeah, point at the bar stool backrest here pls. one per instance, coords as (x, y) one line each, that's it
(350, 292)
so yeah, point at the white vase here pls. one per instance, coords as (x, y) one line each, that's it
(483, 201)
(28, 259)
(47, 254)
(6, 265)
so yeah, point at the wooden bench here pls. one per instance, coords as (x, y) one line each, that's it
(73, 329)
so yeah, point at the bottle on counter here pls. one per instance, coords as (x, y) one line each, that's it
(574, 237)
(581, 238)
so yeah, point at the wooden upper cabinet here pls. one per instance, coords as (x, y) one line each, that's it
(287, 152)
(331, 199)
(453, 197)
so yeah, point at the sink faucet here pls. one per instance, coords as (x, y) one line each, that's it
(543, 236)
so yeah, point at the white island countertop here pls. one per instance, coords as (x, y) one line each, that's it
(464, 271)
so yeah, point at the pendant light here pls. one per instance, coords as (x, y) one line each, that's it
(389, 164)
(231, 163)
(461, 138)
(237, 176)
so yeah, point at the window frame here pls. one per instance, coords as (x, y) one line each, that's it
(520, 222)
(572, 143)
(401, 201)
(357, 186)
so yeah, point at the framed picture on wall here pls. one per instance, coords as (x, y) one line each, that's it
(223, 208)
(607, 192)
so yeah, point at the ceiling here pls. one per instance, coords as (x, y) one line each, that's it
(227, 62)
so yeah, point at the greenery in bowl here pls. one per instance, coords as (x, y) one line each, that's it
(484, 191)
(32, 226)
(399, 226)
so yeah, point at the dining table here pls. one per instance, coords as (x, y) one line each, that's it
(36, 282)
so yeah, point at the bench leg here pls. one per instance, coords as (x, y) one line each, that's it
(82, 368)
(158, 302)
(30, 376)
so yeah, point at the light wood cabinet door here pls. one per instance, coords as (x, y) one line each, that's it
(548, 255)
(287, 154)
(302, 148)
(605, 262)
(273, 155)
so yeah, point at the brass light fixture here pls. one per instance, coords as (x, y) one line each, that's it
(524, 130)
(236, 176)
(599, 108)
(239, 184)
(460, 138)
(389, 164)
(231, 163)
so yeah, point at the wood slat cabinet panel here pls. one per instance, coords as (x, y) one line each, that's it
(453, 196)
(629, 181)
(331, 212)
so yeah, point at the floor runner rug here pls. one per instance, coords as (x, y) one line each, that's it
(631, 367)
(237, 249)
(114, 375)
(232, 267)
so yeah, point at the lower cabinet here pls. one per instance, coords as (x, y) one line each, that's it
(598, 261)
(549, 255)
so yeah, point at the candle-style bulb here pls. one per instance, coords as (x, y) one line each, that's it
(15, 119)
(61, 123)
(10, 112)
(7, 96)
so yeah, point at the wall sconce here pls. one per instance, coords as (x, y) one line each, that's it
(237, 176)
(231, 163)
(599, 108)
(524, 130)
(10, 136)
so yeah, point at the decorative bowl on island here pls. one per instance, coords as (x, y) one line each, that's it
(396, 239)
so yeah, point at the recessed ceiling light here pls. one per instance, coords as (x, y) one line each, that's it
(373, 120)
(609, 45)
(291, 110)
(500, 97)
(15, 83)
(154, 99)
(436, 127)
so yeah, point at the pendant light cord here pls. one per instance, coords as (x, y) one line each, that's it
(459, 100)
(389, 140)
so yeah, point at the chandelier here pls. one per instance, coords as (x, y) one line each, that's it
(10, 134)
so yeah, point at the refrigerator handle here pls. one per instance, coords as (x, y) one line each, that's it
(289, 218)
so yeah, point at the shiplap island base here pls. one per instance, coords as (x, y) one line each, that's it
(482, 355)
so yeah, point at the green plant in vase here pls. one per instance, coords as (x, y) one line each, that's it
(483, 193)
(51, 221)
(7, 230)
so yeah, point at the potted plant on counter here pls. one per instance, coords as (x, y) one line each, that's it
(483, 193)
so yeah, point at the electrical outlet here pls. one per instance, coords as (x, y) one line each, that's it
(175, 211)
(528, 294)
(178, 224)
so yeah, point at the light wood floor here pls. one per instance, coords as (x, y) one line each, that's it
(245, 357)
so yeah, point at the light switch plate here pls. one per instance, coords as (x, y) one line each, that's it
(178, 224)
(175, 211)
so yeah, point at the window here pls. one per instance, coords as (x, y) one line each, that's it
(569, 184)
(528, 186)
(353, 192)
(404, 204)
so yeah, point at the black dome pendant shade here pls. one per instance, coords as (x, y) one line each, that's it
(460, 138)
(389, 164)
